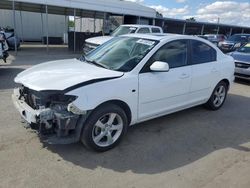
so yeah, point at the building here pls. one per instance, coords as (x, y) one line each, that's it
(43, 20)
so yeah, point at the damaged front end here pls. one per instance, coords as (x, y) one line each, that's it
(51, 113)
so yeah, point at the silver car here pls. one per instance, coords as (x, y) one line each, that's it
(242, 61)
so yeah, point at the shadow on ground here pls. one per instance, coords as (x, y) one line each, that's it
(7, 75)
(242, 81)
(171, 141)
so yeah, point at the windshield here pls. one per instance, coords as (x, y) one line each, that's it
(238, 38)
(121, 53)
(245, 49)
(122, 30)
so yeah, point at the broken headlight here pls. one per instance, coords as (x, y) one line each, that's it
(75, 110)
(62, 99)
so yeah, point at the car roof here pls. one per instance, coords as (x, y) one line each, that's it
(161, 36)
(139, 25)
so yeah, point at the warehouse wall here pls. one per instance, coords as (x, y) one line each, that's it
(88, 25)
(32, 24)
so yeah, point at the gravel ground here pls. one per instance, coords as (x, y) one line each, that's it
(193, 148)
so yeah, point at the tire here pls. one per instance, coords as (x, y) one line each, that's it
(218, 97)
(105, 128)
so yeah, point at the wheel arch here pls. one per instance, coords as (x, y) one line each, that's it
(225, 80)
(122, 105)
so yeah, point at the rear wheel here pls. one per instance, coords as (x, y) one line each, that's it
(104, 128)
(218, 96)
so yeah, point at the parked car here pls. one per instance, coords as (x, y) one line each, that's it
(242, 61)
(130, 79)
(11, 38)
(234, 42)
(94, 42)
(215, 38)
(201, 36)
(3, 47)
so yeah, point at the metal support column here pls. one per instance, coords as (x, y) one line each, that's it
(94, 22)
(184, 28)
(139, 20)
(242, 31)
(123, 18)
(47, 28)
(218, 30)
(42, 24)
(153, 22)
(81, 21)
(231, 31)
(14, 23)
(162, 24)
(202, 29)
(66, 24)
(103, 24)
(21, 18)
(74, 30)
(65, 37)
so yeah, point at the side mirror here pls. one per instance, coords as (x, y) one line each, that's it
(159, 66)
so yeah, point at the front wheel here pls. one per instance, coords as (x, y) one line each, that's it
(104, 128)
(218, 96)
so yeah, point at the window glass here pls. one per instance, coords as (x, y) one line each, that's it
(122, 30)
(174, 53)
(155, 30)
(120, 53)
(143, 30)
(202, 53)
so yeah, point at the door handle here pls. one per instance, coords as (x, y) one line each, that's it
(184, 75)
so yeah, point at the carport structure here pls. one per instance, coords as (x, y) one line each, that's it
(97, 9)
(179, 26)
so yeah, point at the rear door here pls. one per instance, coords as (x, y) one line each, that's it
(205, 70)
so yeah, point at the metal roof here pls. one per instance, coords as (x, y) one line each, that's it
(111, 6)
(205, 23)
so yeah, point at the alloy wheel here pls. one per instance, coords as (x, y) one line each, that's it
(107, 129)
(219, 96)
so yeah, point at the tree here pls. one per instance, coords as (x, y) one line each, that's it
(71, 23)
(192, 19)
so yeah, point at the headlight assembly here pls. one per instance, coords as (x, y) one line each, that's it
(237, 45)
(75, 110)
(61, 98)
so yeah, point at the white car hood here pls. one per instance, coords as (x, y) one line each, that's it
(62, 75)
(99, 40)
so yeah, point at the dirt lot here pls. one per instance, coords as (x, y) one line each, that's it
(192, 148)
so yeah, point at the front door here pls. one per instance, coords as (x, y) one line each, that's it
(164, 92)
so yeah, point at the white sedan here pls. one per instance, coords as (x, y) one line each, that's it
(128, 80)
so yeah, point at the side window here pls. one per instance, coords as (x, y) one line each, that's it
(174, 53)
(202, 53)
(144, 30)
(155, 30)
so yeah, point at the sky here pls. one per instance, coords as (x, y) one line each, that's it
(234, 12)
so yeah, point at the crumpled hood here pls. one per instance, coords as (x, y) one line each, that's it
(99, 40)
(62, 74)
(242, 57)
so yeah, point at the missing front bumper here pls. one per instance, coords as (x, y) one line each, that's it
(50, 122)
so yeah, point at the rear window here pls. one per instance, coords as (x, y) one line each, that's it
(144, 30)
(202, 53)
(155, 30)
